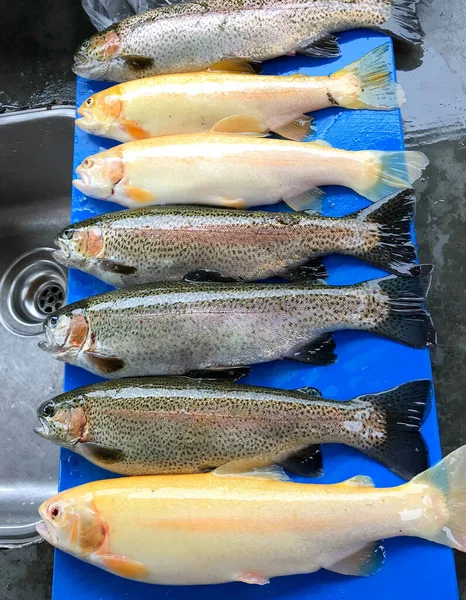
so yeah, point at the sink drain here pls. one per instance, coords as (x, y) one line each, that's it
(31, 288)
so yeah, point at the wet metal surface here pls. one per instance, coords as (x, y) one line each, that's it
(434, 79)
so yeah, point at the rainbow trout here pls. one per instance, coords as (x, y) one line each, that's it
(205, 529)
(236, 102)
(178, 327)
(146, 245)
(187, 426)
(231, 34)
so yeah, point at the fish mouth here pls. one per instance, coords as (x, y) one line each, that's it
(46, 534)
(48, 345)
(89, 189)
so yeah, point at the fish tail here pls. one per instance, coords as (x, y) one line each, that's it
(448, 477)
(403, 23)
(368, 83)
(396, 415)
(394, 249)
(400, 301)
(383, 172)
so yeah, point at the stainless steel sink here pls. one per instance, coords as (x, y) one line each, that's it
(36, 150)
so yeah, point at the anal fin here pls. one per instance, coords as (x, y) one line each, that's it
(233, 65)
(318, 352)
(297, 130)
(245, 468)
(227, 374)
(251, 578)
(242, 124)
(365, 561)
(206, 275)
(313, 268)
(310, 200)
(306, 462)
(326, 47)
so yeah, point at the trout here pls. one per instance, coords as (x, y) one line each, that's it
(207, 528)
(175, 328)
(237, 171)
(232, 34)
(145, 245)
(188, 426)
(235, 102)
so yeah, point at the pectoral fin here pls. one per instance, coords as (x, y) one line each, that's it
(230, 374)
(358, 481)
(363, 562)
(122, 566)
(111, 266)
(310, 200)
(242, 124)
(104, 364)
(246, 468)
(297, 130)
(314, 268)
(100, 453)
(137, 194)
(318, 352)
(307, 462)
(137, 62)
(233, 65)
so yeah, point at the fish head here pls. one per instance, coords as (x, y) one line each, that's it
(100, 112)
(62, 421)
(100, 173)
(71, 523)
(78, 244)
(94, 58)
(66, 331)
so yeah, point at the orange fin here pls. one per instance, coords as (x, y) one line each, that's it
(137, 194)
(252, 578)
(240, 124)
(310, 200)
(233, 65)
(231, 202)
(133, 129)
(105, 364)
(124, 567)
(296, 130)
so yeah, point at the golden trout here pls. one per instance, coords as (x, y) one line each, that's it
(238, 171)
(175, 328)
(236, 103)
(144, 245)
(229, 34)
(187, 426)
(205, 529)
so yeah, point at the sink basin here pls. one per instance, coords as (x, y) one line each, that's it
(36, 148)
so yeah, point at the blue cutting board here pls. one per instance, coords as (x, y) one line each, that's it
(366, 363)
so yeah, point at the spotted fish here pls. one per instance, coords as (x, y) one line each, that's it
(178, 327)
(174, 242)
(205, 528)
(231, 34)
(188, 426)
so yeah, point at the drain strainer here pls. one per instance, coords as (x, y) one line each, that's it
(32, 287)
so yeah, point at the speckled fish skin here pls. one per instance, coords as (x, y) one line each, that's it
(175, 328)
(236, 102)
(149, 426)
(195, 35)
(207, 529)
(166, 243)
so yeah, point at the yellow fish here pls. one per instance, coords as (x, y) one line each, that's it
(208, 528)
(237, 102)
(238, 171)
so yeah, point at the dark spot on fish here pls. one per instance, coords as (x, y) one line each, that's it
(93, 337)
(332, 99)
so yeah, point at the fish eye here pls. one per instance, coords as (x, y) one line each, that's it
(53, 321)
(54, 511)
(88, 163)
(48, 410)
(68, 233)
(89, 102)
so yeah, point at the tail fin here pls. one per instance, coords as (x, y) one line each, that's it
(403, 318)
(398, 415)
(449, 476)
(372, 85)
(394, 250)
(403, 23)
(385, 172)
